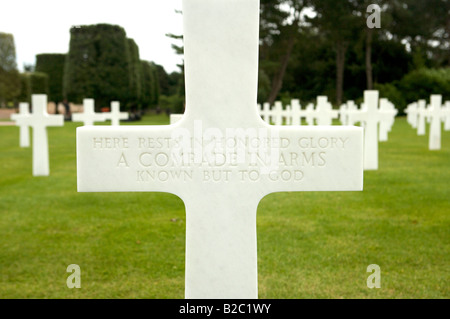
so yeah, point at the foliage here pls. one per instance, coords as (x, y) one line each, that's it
(53, 66)
(98, 64)
(9, 76)
(136, 74)
(150, 85)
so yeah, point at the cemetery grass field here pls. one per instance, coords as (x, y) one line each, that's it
(310, 245)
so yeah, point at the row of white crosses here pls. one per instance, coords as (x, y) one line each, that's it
(89, 117)
(377, 116)
(39, 120)
(323, 114)
(418, 113)
(221, 120)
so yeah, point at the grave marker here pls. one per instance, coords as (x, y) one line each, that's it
(324, 111)
(421, 114)
(278, 113)
(88, 117)
(411, 114)
(386, 122)
(370, 116)
(24, 112)
(221, 159)
(115, 115)
(39, 120)
(447, 116)
(435, 115)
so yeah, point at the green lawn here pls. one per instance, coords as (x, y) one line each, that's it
(310, 245)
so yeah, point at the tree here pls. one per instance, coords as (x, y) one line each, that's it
(53, 66)
(336, 21)
(150, 85)
(98, 64)
(135, 76)
(9, 75)
(279, 31)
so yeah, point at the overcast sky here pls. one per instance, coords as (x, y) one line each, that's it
(42, 26)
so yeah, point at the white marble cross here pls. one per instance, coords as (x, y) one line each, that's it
(88, 117)
(309, 114)
(324, 111)
(344, 109)
(221, 158)
(24, 112)
(39, 120)
(421, 116)
(296, 113)
(435, 114)
(278, 113)
(387, 122)
(411, 114)
(447, 116)
(370, 116)
(115, 115)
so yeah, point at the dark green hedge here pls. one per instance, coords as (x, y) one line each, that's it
(53, 66)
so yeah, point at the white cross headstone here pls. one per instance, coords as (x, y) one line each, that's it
(309, 114)
(447, 116)
(115, 115)
(175, 118)
(411, 114)
(435, 114)
(296, 113)
(222, 158)
(278, 113)
(39, 120)
(288, 115)
(344, 109)
(24, 112)
(421, 115)
(370, 116)
(324, 111)
(88, 117)
(386, 122)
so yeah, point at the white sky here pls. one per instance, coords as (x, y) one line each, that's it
(42, 26)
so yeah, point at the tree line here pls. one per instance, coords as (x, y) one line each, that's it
(101, 63)
(312, 47)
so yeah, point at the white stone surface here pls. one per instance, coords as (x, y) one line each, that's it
(324, 111)
(421, 115)
(447, 116)
(370, 116)
(221, 159)
(296, 113)
(278, 113)
(412, 114)
(115, 115)
(309, 114)
(435, 114)
(39, 120)
(24, 112)
(175, 118)
(88, 117)
(387, 121)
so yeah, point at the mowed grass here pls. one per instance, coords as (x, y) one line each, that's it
(310, 245)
